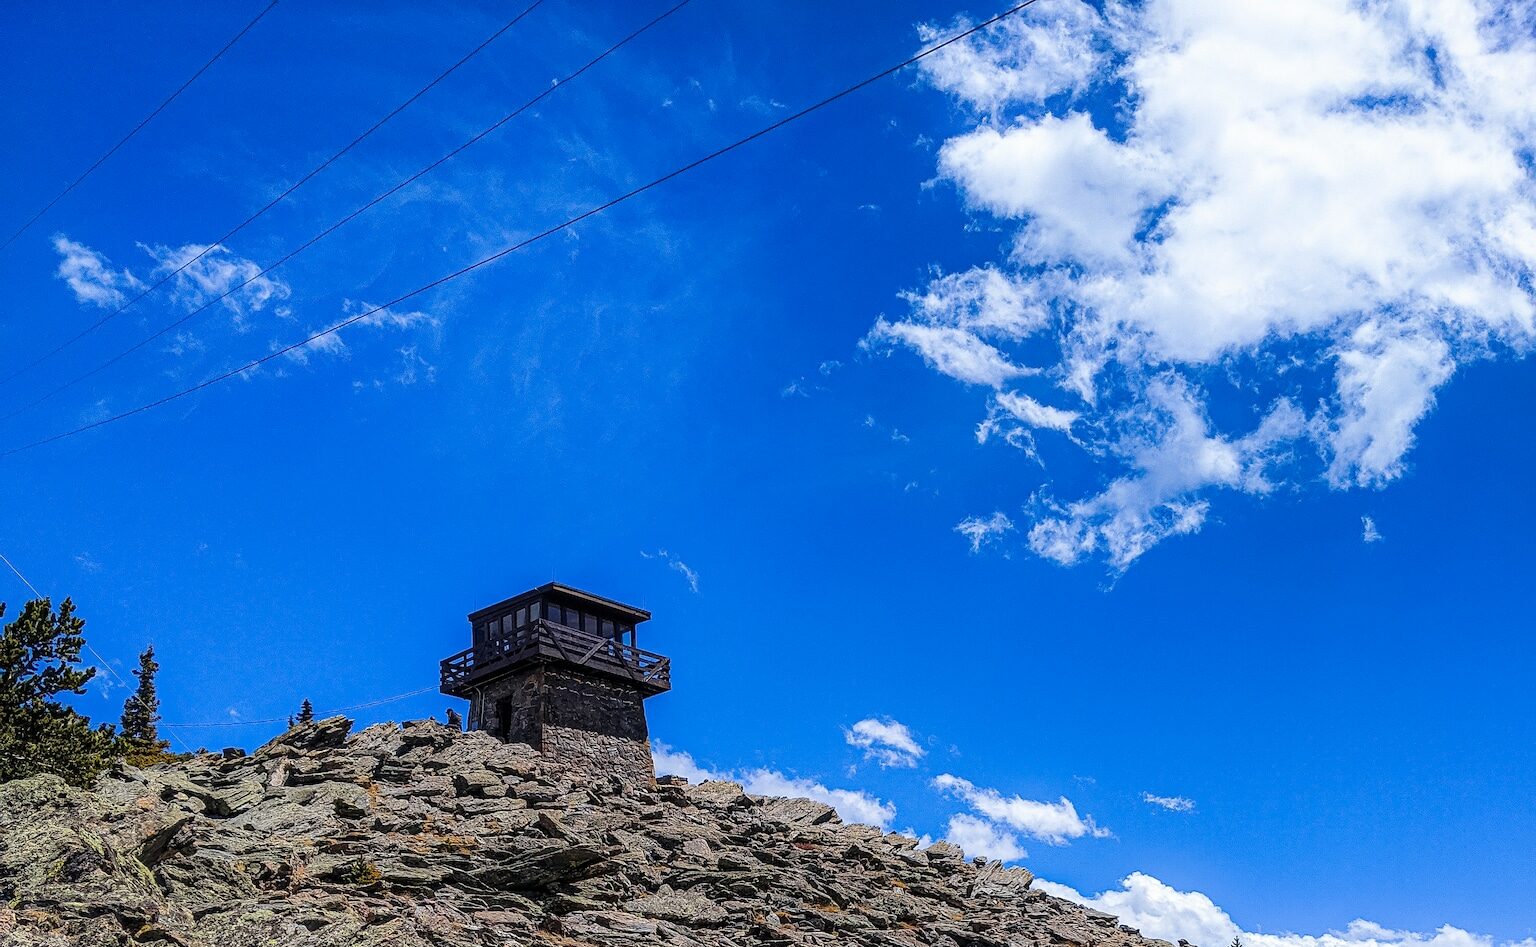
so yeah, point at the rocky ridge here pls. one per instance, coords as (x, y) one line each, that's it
(422, 835)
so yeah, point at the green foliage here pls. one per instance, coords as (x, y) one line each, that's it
(306, 712)
(360, 872)
(39, 658)
(139, 740)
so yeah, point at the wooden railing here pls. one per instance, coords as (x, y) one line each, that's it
(546, 638)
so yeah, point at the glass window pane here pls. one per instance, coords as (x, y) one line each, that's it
(554, 613)
(589, 624)
(522, 616)
(535, 611)
(607, 628)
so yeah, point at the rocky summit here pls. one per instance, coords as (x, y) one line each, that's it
(422, 835)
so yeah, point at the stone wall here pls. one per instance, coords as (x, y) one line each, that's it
(587, 722)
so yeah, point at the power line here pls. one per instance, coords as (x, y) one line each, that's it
(272, 203)
(478, 136)
(147, 119)
(567, 224)
(319, 713)
(101, 661)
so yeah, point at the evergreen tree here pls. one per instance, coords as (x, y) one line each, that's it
(306, 712)
(39, 654)
(139, 740)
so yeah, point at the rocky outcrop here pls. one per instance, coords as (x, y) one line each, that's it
(421, 835)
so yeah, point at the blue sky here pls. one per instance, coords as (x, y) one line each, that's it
(1112, 409)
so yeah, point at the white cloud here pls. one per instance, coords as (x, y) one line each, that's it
(413, 366)
(1368, 531)
(1033, 414)
(676, 565)
(1344, 189)
(980, 531)
(957, 353)
(978, 837)
(851, 804)
(219, 271)
(888, 742)
(1159, 910)
(1174, 455)
(329, 344)
(91, 276)
(955, 322)
(1171, 803)
(388, 318)
(1081, 195)
(1057, 48)
(671, 762)
(1055, 823)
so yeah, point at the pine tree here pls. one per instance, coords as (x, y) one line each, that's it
(39, 658)
(140, 737)
(306, 712)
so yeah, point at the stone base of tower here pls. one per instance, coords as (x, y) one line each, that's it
(592, 724)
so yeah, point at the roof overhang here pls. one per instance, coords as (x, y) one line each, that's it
(570, 593)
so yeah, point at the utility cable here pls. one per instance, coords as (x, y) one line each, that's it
(147, 119)
(558, 84)
(272, 203)
(319, 713)
(101, 661)
(567, 224)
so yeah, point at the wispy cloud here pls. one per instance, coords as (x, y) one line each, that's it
(412, 366)
(982, 531)
(1171, 803)
(677, 565)
(91, 276)
(219, 271)
(1368, 531)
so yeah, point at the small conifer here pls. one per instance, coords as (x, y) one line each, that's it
(140, 737)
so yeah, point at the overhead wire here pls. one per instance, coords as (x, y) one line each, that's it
(521, 244)
(136, 129)
(100, 661)
(172, 274)
(211, 724)
(396, 188)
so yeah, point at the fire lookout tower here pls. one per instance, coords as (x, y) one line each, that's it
(557, 668)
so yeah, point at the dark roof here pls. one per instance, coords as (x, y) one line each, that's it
(598, 602)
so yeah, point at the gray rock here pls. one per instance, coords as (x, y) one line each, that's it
(421, 835)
